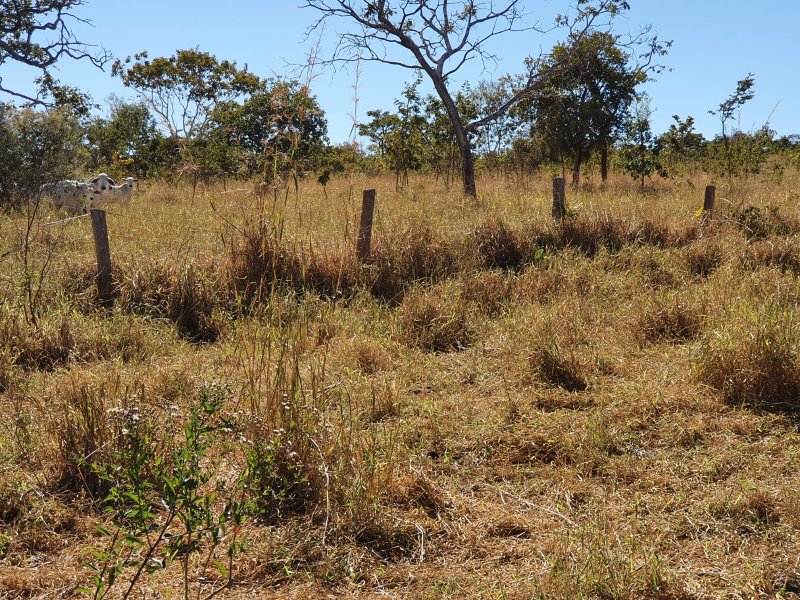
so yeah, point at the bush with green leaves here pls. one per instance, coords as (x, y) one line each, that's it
(37, 147)
(197, 514)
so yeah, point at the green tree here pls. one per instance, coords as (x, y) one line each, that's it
(588, 83)
(125, 143)
(440, 149)
(279, 131)
(498, 135)
(37, 147)
(438, 38)
(639, 155)
(726, 111)
(38, 34)
(183, 92)
(681, 146)
(399, 138)
(377, 130)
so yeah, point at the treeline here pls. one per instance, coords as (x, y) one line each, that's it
(200, 119)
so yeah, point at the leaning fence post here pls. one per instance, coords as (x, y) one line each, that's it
(103, 252)
(364, 240)
(708, 201)
(559, 198)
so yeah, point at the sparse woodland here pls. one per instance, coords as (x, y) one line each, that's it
(489, 403)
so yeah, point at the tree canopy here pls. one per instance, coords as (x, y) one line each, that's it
(438, 38)
(38, 34)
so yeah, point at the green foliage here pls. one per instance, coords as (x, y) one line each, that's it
(681, 146)
(279, 131)
(193, 519)
(740, 153)
(639, 155)
(183, 89)
(400, 138)
(127, 142)
(726, 111)
(588, 83)
(37, 34)
(35, 148)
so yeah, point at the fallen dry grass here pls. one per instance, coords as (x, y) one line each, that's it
(494, 406)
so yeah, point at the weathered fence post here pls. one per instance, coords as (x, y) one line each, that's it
(559, 198)
(364, 240)
(708, 201)
(103, 251)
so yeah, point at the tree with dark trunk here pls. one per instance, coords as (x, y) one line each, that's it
(587, 86)
(38, 34)
(439, 37)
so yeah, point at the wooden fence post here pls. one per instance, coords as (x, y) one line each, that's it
(708, 201)
(364, 240)
(103, 252)
(559, 198)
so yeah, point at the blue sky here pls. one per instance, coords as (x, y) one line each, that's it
(716, 43)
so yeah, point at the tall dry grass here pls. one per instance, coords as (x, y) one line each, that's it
(493, 404)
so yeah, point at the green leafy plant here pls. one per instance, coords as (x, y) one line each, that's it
(193, 519)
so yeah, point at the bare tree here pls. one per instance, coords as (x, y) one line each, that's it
(38, 33)
(439, 37)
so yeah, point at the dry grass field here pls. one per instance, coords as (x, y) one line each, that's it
(494, 406)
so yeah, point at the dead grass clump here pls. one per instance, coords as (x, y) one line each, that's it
(44, 348)
(673, 319)
(753, 358)
(279, 482)
(433, 321)
(85, 432)
(536, 448)
(490, 292)
(559, 366)
(655, 265)
(757, 223)
(783, 254)
(332, 275)
(260, 263)
(704, 257)
(747, 507)
(416, 255)
(118, 337)
(391, 542)
(417, 490)
(589, 234)
(558, 355)
(7, 369)
(541, 286)
(16, 497)
(650, 233)
(369, 355)
(193, 307)
(189, 297)
(498, 245)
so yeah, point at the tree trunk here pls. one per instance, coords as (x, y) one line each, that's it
(576, 169)
(468, 170)
(604, 162)
(462, 136)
